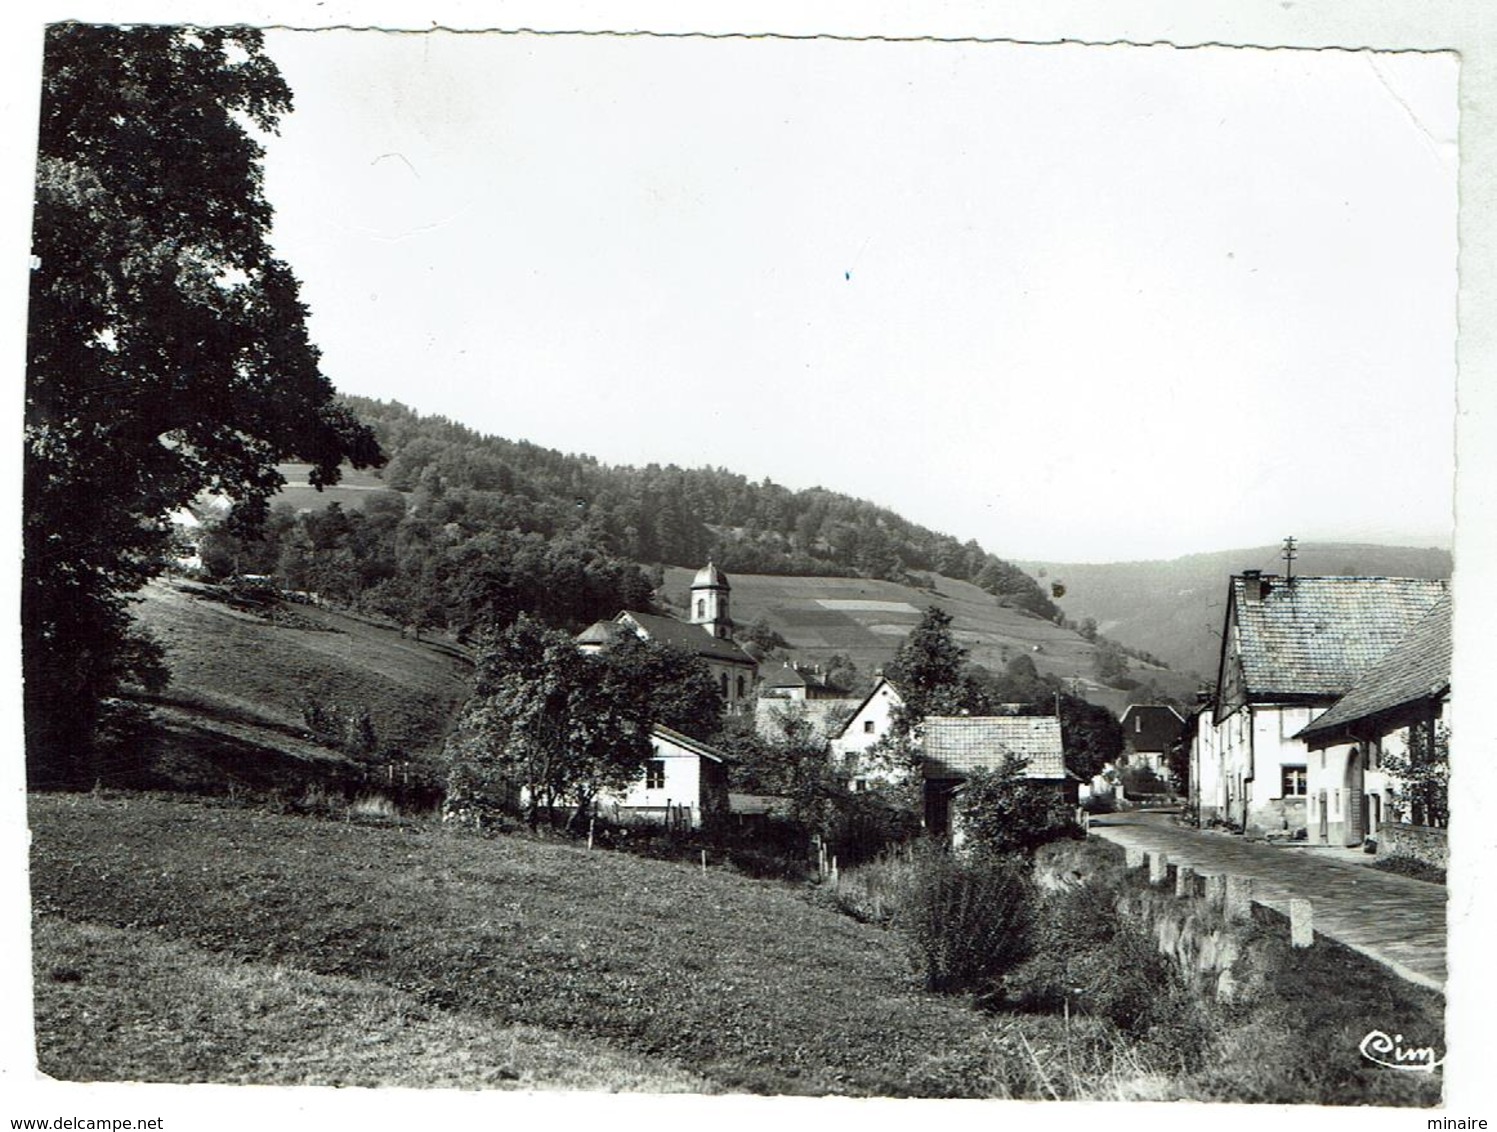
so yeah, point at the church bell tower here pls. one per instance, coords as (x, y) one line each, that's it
(709, 602)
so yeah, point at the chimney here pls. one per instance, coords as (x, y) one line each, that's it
(1254, 584)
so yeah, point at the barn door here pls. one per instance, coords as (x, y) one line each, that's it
(1356, 804)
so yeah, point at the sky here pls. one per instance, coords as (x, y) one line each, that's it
(1081, 303)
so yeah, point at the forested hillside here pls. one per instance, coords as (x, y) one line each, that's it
(462, 529)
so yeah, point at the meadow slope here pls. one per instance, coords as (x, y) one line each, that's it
(353, 941)
(868, 619)
(242, 676)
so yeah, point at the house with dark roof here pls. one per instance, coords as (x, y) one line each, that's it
(792, 682)
(952, 747)
(1292, 647)
(1150, 733)
(708, 636)
(683, 784)
(1402, 695)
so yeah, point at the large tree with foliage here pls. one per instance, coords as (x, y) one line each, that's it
(167, 348)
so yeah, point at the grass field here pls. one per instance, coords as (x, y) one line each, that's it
(187, 942)
(233, 711)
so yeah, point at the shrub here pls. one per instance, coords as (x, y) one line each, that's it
(1003, 812)
(879, 891)
(970, 919)
(1141, 780)
(1093, 959)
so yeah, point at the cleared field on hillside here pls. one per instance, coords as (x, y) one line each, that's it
(868, 620)
(241, 678)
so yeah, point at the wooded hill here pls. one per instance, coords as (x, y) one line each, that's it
(461, 530)
(460, 485)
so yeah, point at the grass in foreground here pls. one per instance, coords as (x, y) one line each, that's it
(120, 1005)
(741, 984)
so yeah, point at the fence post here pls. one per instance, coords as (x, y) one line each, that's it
(1216, 890)
(1159, 867)
(1301, 922)
(1185, 881)
(1239, 905)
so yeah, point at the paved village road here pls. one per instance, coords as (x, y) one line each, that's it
(1397, 921)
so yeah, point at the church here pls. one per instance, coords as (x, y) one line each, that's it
(708, 636)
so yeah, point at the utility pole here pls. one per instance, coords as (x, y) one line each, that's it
(1289, 556)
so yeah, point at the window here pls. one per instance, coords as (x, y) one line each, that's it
(723, 682)
(1294, 782)
(741, 687)
(867, 727)
(655, 774)
(701, 607)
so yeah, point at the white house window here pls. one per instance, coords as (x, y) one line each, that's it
(867, 727)
(655, 774)
(740, 687)
(701, 607)
(1294, 782)
(723, 682)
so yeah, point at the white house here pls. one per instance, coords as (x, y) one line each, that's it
(684, 783)
(1350, 794)
(872, 720)
(1290, 649)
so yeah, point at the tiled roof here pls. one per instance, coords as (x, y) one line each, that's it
(1315, 636)
(824, 716)
(670, 734)
(691, 638)
(1417, 669)
(787, 677)
(599, 633)
(956, 745)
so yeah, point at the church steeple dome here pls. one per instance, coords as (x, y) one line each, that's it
(709, 601)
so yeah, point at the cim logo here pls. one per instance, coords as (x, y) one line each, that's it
(1378, 1048)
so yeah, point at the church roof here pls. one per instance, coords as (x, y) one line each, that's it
(709, 577)
(691, 638)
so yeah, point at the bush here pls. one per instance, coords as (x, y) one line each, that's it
(970, 919)
(1092, 959)
(1141, 780)
(1004, 812)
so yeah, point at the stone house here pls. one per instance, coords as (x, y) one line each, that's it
(952, 747)
(1291, 647)
(1351, 796)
